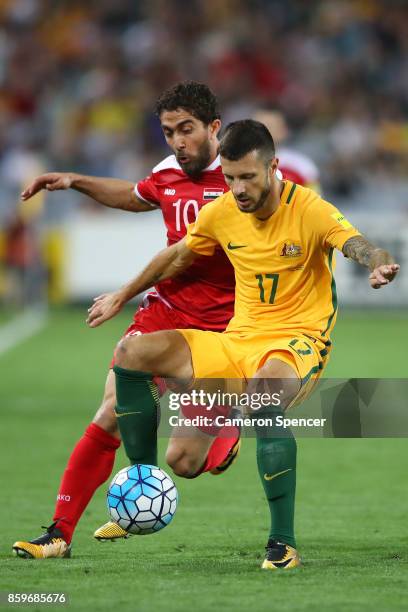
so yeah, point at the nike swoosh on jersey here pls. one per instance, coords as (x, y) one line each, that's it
(231, 247)
(272, 476)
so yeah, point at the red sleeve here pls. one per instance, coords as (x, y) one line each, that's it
(146, 190)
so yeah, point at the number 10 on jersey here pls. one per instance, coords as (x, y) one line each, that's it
(183, 216)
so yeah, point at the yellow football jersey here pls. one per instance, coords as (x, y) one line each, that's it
(283, 265)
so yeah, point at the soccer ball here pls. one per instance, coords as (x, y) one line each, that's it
(142, 499)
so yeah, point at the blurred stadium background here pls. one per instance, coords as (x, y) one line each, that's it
(78, 82)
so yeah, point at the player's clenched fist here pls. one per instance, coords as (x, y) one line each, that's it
(105, 307)
(52, 181)
(383, 275)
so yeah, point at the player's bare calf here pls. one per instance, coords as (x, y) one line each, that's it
(105, 416)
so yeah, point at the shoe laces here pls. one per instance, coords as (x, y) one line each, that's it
(51, 528)
(275, 550)
(274, 544)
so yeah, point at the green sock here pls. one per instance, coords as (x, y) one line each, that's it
(276, 458)
(137, 403)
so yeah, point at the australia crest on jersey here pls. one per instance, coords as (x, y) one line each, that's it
(290, 249)
(212, 193)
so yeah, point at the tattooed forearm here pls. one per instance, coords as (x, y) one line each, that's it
(365, 253)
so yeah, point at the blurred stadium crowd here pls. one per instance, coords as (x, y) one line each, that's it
(78, 82)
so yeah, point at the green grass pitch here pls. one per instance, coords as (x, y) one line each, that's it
(351, 504)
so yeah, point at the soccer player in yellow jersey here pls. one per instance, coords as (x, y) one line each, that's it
(280, 238)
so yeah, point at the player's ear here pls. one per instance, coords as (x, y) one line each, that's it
(273, 166)
(214, 127)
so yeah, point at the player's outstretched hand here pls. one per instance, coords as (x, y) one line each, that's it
(52, 181)
(105, 307)
(383, 275)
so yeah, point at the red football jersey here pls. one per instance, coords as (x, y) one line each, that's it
(204, 293)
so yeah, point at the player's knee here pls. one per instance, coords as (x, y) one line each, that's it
(182, 464)
(129, 353)
(277, 379)
(139, 352)
(122, 353)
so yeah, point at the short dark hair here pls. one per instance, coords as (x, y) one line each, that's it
(196, 98)
(243, 137)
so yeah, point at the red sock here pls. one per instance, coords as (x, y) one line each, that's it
(89, 466)
(218, 452)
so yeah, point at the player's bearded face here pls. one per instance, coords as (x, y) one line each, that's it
(250, 204)
(189, 139)
(194, 163)
(249, 182)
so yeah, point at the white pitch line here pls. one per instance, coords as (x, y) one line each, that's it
(21, 328)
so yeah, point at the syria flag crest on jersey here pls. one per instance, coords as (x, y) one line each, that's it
(212, 193)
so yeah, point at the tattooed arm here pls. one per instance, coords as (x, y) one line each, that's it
(380, 263)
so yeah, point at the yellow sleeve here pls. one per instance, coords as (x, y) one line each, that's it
(331, 225)
(200, 236)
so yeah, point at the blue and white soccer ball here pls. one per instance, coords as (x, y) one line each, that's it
(142, 499)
